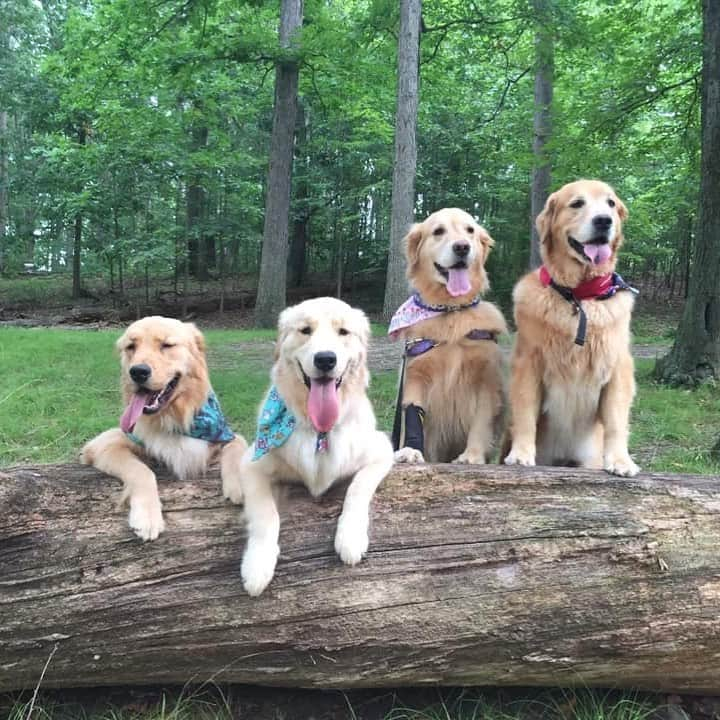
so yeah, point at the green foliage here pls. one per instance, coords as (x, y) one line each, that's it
(176, 97)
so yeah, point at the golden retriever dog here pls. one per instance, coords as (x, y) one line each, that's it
(316, 426)
(452, 397)
(171, 415)
(572, 380)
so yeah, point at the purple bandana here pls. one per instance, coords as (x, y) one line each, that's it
(414, 310)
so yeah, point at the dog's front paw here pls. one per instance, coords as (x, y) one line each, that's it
(621, 465)
(145, 517)
(409, 455)
(470, 458)
(518, 456)
(258, 566)
(232, 489)
(351, 539)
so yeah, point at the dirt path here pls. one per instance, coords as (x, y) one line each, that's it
(384, 355)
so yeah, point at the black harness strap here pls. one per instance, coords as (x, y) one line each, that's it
(567, 293)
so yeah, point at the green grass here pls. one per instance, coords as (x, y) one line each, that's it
(451, 704)
(60, 388)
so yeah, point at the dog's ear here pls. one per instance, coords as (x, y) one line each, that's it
(622, 211)
(413, 242)
(283, 327)
(361, 325)
(485, 240)
(121, 342)
(197, 337)
(544, 220)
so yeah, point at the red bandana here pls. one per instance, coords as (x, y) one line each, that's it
(590, 290)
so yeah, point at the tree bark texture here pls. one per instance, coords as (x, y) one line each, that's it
(695, 356)
(301, 216)
(4, 182)
(542, 121)
(195, 209)
(273, 264)
(405, 166)
(482, 575)
(77, 236)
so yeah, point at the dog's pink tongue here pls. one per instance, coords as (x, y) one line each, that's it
(132, 412)
(323, 406)
(597, 253)
(458, 281)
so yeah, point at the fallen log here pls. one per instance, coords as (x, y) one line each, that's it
(475, 575)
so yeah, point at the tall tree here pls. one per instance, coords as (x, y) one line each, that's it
(77, 237)
(695, 356)
(273, 265)
(3, 185)
(542, 120)
(403, 188)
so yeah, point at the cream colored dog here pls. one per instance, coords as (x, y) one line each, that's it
(171, 415)
(572, 380)
(315, 427)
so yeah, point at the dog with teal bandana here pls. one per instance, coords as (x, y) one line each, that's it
(316, 426)
(171, 415)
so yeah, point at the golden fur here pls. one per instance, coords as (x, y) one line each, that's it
(355, 448)
(459, 384)
(570, 405)
(170, 348)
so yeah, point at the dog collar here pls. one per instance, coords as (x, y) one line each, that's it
(444, 308)
(415, 310)
(208, 424)
(276, 424)
(599, 288)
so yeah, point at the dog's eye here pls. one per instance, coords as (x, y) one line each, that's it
(611, 202)
(470, 229)
(166, 345)
(577, 203)
(307, 330)
(439, 230)
(130, 347)
(343, 331)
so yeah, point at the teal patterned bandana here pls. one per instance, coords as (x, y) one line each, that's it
(275, 424)
(209, 424)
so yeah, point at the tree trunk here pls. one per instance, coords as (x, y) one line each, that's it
(542, 121)
(4, 181)
(273, 265)
(403, 187)
(195, 213)
(301, 216)
(695, 356)
(475, 575)
(77, 238)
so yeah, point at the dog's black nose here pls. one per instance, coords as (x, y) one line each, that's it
(461, 249)
(602, 222)
(325, 361)
(140, 373)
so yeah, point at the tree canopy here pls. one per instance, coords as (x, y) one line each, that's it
(150, 121)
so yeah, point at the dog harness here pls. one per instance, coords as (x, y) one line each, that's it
(599, 288)
(208, 424)
(412, 311)
(276, 424)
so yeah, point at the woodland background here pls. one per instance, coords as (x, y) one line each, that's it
(135, 135)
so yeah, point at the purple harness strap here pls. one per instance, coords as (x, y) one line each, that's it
(414, 348)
